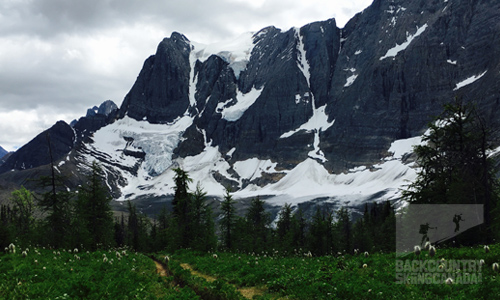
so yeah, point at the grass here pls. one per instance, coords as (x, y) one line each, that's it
(344, 277)
(64, 274)
(61, 274)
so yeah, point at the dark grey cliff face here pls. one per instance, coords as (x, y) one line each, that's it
(95, 119)
(382, 77)
(394, 97)
(63, 139)
(285, 100)
(53, 144)
(161, 92)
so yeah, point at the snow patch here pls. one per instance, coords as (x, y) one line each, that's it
(401, 147)
(318, 121)
(409, 38)
(350, 80)
(230, 152)
(469, 80)
(243, 102)
(309, 180)
(253, 167)
(236, 53)
(452, 62)
(202, 167)
(302, 62)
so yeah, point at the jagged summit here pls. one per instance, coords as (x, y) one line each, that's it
(317, 112)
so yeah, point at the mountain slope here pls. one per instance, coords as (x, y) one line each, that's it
(317, 112)
(3, 152)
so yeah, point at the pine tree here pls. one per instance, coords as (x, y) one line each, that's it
(299, 229)
(55, 202)
(343, 228)
(227, 220)
(119, 229)
(181, 208)
(201, 219)
(258, 225)
(162, 235)
(284, 233)
(454, 162)
(93, 211)
(133, 227)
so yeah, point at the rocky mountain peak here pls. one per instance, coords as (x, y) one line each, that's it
(308, 113)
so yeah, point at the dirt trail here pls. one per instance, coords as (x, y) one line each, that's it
(247, 292)
(160, 269)
(194, 272)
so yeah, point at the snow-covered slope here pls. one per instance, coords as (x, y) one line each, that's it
(151, 174)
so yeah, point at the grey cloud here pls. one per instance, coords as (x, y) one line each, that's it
(51, 18)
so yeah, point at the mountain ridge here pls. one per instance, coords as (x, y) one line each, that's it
(319, 100)
(3, 152)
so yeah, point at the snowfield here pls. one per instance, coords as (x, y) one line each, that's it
(306, 181)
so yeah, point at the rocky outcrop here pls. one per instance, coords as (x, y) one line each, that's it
(408, 57)
(161, 92)
(50, 145)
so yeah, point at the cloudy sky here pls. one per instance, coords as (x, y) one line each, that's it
(60, 57)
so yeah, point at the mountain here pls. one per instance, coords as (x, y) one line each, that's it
(317, 114)
(3, 152)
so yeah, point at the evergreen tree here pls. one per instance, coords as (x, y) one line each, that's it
(119, 228)
(321, 234)
(93, 211)
(202, 224)
(454, 162)
(133, 227)
(55, 202)
(181, 208)
(299, 229)
(344, 230)
(284, 233)
(258, 225)
(227, 220)
(162, 235)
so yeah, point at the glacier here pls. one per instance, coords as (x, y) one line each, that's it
(307, 180)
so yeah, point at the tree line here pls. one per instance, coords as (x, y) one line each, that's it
(60, 219)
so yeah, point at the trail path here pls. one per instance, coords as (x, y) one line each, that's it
(160, 269)
(247, 292)
(196, 273)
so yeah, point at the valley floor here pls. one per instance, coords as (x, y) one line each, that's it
(124, 274)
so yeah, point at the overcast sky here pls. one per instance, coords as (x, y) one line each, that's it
(60, 57)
